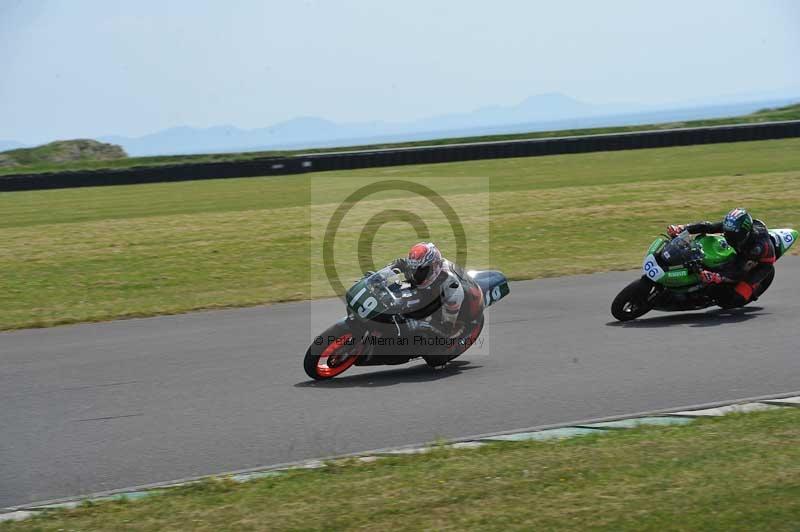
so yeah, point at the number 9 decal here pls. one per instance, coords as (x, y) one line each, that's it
(368, 306)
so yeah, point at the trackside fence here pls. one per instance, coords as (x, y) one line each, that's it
(320, 162)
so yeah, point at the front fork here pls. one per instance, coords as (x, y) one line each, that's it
(361, 332)
(655, 290)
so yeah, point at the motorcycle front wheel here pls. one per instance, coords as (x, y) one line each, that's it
(332, 352)
(632, 302)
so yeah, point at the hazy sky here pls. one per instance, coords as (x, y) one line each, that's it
(84, 68)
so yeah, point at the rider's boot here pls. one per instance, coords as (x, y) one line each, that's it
(436, 361)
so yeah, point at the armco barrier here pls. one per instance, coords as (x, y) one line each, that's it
(320, 162)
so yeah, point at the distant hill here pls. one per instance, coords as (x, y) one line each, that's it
(179, 140)
(62, 151)
(542, 108)
(318, 132)
(545, 112)
(620, 124)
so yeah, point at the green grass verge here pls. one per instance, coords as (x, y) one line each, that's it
(739, 472)
(100, 253)
(790, 112)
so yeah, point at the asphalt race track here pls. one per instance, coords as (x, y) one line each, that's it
(94, 407)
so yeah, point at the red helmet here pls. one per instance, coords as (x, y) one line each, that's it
(424, 264)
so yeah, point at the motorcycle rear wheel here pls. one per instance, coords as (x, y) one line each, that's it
(459, 349)
(764, 285)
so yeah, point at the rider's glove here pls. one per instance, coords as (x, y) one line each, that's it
(458, 333)
(675, 230)
(421, 326)
(708, 277)
(399, 264)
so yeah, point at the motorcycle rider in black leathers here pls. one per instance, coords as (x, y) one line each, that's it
(444, 296)
(753, 269)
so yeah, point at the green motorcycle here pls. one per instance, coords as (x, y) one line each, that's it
(670, 280)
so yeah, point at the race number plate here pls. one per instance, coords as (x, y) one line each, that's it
(494, 295)
(651, 269)
(786, 237)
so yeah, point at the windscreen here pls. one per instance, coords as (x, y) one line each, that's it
(680, 250)
(380, 285)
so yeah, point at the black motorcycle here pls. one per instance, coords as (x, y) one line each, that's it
(374, 332)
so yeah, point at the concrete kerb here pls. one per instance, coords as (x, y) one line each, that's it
(672, 416)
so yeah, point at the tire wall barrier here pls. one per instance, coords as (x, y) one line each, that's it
(320, 162)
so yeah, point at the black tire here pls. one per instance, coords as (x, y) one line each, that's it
(631, 302)
(475, 333)
(756, 294)
(317, 348)
(440, 360)
(765, 284)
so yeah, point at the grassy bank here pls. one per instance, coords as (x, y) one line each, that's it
(100, 253)
(66, 152)
(739, 472)
(790, 112)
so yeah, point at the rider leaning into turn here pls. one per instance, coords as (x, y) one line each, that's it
(439, 284)
(755, 255)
